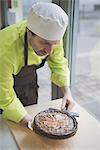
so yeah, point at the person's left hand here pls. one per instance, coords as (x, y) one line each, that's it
(67, 100)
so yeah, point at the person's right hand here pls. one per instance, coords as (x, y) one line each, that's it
(25, 120)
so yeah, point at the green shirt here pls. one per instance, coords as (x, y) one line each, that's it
(11, 62)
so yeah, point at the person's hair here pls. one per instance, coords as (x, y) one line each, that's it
(31, 32)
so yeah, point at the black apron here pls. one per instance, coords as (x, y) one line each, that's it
(25, 82)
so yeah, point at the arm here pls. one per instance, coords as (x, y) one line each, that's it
(60, 74)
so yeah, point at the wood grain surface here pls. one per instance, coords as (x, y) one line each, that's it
(86, 138)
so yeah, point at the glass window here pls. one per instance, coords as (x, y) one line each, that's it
(87, 76)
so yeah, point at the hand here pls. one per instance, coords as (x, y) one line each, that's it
(25, 120)
(67, 100)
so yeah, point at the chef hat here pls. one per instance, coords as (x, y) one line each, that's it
(47, 20)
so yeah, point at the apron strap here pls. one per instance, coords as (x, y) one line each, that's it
(42, 63)
(25, 49)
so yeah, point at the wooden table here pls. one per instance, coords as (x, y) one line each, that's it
(86, 138)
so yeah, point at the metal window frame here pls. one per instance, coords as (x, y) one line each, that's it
(3, 14)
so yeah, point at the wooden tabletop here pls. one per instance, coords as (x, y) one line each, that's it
(86, 138)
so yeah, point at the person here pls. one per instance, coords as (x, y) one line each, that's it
(24, 48)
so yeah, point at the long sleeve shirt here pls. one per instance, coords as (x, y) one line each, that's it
(11, 62)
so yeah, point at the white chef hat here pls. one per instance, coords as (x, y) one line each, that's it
(47, 20)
